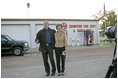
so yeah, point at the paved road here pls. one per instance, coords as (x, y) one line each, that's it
(81, 62)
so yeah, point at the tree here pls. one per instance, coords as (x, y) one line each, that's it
(111, 19)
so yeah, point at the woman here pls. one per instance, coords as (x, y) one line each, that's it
(60, 49)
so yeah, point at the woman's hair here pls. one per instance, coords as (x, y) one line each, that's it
(59, 25)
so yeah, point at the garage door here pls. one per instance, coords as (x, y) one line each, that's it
(39, 27)
(17, 32)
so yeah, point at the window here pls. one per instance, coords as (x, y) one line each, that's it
(3, 39)
(9, 38)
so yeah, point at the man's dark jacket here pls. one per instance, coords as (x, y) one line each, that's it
(41, 36)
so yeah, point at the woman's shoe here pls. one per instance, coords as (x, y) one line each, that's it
(62, 74)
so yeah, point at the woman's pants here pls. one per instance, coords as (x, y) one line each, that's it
(60, 57)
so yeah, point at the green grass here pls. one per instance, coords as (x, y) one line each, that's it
(108, 43)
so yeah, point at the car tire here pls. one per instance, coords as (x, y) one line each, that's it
(17, 51)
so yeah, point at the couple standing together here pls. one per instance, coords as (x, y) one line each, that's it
(49, 39)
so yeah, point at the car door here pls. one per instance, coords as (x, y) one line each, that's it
(5, 45)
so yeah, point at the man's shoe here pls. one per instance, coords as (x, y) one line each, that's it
(59, 74)
(47, 74)
(52, 74)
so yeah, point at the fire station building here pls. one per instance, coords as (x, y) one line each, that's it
(26, 29)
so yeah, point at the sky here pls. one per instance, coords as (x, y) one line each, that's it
(54, 9)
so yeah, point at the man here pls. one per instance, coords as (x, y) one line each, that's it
(46, 39)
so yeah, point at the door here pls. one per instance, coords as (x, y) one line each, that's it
(5, 45)
(17, 31)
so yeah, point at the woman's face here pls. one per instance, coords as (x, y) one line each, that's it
(59, 28)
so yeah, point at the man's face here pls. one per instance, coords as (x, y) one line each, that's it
(46, 24)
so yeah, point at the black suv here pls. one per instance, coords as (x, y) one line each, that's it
(11, 46)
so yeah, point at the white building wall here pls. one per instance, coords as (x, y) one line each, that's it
(35, 26)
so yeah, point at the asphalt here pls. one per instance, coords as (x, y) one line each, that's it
(81, 62)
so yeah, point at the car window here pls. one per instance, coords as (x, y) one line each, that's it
(9, 38)
(3, 39)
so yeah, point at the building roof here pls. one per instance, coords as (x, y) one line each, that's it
(37, 19)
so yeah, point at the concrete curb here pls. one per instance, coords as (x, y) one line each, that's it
(35, 50)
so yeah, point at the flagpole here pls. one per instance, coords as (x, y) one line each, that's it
(104, 22)
(105, 29)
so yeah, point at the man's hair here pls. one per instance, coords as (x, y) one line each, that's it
(46, 22)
